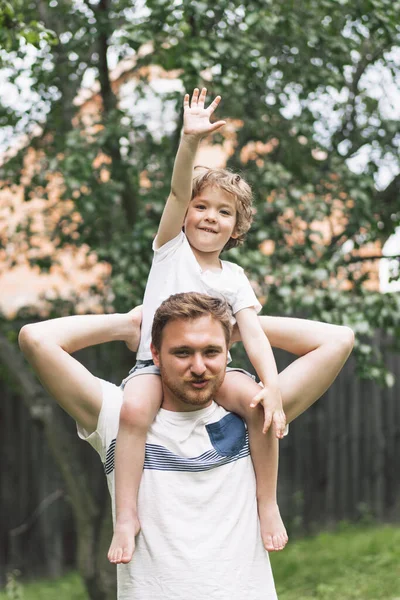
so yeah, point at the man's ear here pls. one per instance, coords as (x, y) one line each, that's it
(155, 355)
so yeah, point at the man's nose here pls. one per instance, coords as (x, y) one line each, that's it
(197, 366)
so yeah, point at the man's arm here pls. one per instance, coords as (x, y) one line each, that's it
(196, 124)
(48, 347)
(322, 350)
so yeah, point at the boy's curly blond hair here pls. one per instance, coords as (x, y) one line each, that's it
(233, 184)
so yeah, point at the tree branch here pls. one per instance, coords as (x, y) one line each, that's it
(389, 197)
(349, 123)
(108, 97)
(356, 259)
(119, 170)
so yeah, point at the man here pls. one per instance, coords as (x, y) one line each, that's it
(200, 534)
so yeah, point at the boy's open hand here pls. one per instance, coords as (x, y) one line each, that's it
(196, 118)
(273, 410)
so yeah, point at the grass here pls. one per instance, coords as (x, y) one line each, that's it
(352, 563)
(69, 587)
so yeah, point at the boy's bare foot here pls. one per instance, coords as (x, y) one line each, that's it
(273, 532)
(123, 542)
(136, 320)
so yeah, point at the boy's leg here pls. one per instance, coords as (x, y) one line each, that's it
(142, 399)
(322, 350)
(235, 395)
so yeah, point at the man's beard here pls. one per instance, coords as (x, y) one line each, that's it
(186, 393)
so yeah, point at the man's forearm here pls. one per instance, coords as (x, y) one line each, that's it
(182, 175)
(77, 332)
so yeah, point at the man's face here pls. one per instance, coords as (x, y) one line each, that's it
(192, 361)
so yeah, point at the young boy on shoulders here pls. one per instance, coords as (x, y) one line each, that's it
(202, 217)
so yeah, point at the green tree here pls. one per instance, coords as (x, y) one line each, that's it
(15, 31)
(307, 82)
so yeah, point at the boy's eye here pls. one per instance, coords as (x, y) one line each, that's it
(200, 206)
(225, 212)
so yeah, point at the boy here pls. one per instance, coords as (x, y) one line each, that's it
(215, 213)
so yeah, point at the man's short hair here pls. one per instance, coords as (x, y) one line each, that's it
(188, 306)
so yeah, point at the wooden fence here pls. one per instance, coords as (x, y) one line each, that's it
(340, 461)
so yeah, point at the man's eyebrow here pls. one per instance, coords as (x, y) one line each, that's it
(191, 349)
(173, 348)
(214, 347)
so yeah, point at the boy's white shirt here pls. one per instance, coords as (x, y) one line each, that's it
(175, 269)
(200, 537)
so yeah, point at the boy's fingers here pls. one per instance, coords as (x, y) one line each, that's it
(195, 96)
(202, 97)
(279, 424)
(267, 421)
(256, 400)
(217, 125)
(214, 104)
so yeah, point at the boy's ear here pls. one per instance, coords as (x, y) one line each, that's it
(235, 234)
(155, 355)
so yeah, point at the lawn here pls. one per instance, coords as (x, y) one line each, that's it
(352, 563)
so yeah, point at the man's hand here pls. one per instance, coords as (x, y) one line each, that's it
(273, 410)
(196, 118)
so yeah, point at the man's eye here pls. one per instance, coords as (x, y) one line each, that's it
(181, 353)
(212, 352)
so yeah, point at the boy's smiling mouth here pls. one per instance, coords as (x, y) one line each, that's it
(207, 229)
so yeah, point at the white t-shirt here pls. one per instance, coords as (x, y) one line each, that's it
(174, 270)
(200, 536)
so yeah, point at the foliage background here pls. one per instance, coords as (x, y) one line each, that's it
(307, 88)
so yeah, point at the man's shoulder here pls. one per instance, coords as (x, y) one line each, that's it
(110, 391)
(108, 420)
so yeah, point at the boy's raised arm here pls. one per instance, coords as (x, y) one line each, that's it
(196, 124)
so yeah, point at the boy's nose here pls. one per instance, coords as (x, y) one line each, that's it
(211, 216)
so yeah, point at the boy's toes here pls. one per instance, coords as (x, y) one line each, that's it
(126, 556)
(279, 541)
(269, 543)
(118, 557)
(114, 556)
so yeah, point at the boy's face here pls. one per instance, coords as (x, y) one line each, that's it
(211, 220)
